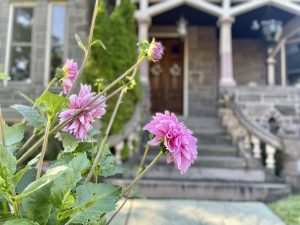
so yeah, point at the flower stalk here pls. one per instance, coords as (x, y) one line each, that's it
(2, 129)
(44, 149)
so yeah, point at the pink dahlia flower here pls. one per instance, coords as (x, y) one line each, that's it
(80, 126)
(177, 139)
(156, 51)
(71, 70)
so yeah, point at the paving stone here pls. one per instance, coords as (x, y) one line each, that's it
(175, 212)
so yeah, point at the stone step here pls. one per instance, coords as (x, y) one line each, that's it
(209, 190)
(164, 171)
(213, 139)
(11, 115)
(216, 149)
(210, 161)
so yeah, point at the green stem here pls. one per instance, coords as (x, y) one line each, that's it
(27, 143)
(144, 156)
(92, 170)
(126, 192)
(91, 37)
(2, 129)
(44, 149)
(142, 174)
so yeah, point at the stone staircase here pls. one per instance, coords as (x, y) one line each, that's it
(220, 172)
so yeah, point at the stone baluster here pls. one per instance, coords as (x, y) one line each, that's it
(270, 160)
(247, 141)
(119, 147)
(256, 147)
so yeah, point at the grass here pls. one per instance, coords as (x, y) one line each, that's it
(288, 209)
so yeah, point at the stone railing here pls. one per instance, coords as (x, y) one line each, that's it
(264, 123)
(261, 119)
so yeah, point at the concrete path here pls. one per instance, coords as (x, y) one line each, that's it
(185, 212)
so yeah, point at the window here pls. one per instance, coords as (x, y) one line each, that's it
(56, 40)
(20, 43)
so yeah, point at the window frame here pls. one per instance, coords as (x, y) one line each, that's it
(48, 38)
(8, 53)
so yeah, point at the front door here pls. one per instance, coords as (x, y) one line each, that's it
(166, 78)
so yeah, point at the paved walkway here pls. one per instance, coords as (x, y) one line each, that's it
(181, 212)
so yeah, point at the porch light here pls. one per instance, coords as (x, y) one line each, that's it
(272, 29)
(182, 26)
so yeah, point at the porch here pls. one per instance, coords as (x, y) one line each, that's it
(222, 48)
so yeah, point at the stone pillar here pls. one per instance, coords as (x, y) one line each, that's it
(226, 70)
(271, 70)
(143, 34)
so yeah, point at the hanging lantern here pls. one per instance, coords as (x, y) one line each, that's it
(182, 26)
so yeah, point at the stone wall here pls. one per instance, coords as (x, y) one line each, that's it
(77, 21)
(249, 61)
(203, 70)
(273, 108)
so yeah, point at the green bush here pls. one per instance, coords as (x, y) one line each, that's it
(117, 31)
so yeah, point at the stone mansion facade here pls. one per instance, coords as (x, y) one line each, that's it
(234, 61)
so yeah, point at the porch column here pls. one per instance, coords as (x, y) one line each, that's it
(226, 70)
(143, 34)
(271, 70)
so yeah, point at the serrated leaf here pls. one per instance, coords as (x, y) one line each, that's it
(13, 134)
(64, 184)
(37, 206)
(20, 222)
(48, 177)
(92, 200)
(4, 76)
(8, 163)
(69, 143)
(107, 164)
(80, 44)
(31, 115)
(52, 103)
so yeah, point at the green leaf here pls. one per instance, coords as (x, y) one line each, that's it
(20, 222)
(37, 206)
(107, 164)
(4, 76)
(64, 184)
(80, 44)
(31, 115)
(8, 164)
(13, 134)
(69, 143)
(49, 176)
(52, 103)
(92, 200)
(28, 177)
(99, 42)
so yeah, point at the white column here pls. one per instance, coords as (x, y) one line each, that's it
(226, 70)
(143, 34)
(256, 147)
(270, 161)
(271, 70)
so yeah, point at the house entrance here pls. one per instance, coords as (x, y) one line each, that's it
(166, 78)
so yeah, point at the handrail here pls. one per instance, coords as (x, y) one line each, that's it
(254, 129)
